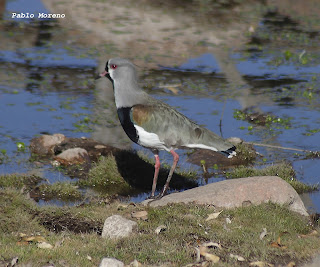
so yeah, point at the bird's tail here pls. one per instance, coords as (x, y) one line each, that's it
(229, 152)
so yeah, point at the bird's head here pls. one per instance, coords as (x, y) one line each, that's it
(119, 69)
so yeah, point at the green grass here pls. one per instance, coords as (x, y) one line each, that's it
(18, 181)
(283, 170)
(246, 153)
(66, 191)
(104, 176)
(74, 230)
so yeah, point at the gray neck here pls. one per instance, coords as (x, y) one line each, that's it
(126, 96)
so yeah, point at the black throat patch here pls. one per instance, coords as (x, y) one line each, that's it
(127, 124)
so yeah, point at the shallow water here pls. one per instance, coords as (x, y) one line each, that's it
(46, 87)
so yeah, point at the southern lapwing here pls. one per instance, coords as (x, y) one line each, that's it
(154, 124)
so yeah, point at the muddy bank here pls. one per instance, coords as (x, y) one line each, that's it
(169, 32)
(113, 172)
(104, 168)
(160, 33)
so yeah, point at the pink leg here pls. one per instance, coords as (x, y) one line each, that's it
(156, 173)
(174, 165)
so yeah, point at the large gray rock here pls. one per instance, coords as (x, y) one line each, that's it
(117, 226)
(238, 192)
(314, 263)
(111, 262)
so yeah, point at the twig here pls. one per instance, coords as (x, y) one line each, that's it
(222, 113)
(278, 147)
(169, 85)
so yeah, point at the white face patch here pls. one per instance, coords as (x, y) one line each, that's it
(111, 73)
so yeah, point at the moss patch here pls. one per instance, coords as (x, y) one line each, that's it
(18, 181)
(62, 190)
(105, 177)
(246, 153)
(283, 170)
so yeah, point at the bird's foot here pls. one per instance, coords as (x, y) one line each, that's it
(157, 197)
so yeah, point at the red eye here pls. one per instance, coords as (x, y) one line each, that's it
(113, 66)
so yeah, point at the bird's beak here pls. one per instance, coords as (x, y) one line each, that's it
(103, 74)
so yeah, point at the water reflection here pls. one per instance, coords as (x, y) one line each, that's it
(47, 86)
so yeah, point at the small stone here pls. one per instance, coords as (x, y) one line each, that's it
(44, 245)
(160, 229)
(142, 214)
(111, 262)
(251, 29)
(99, 146)
(246, 203)
(135, 263)
(38, 164)
(263, 234)
(235, 140)
(117, 226)
(14, 261)
(55, 163)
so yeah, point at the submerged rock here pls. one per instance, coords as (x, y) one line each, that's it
(117, 226)
(73, 156)
(237, 193)
(95, 149)
(70, 152)
(80, 155)
(50, 145)
(44, 145)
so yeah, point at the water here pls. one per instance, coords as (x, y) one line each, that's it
(46, 87)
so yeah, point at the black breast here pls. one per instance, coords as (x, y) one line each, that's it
(127, 124)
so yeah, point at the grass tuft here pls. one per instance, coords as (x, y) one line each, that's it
(105, 177)
(65, 191)
(18, 181)
(282, 170)
(246, 153)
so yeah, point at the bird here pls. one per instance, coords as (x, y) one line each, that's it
(154, 124)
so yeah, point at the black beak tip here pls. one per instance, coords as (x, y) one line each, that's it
(98, 77)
